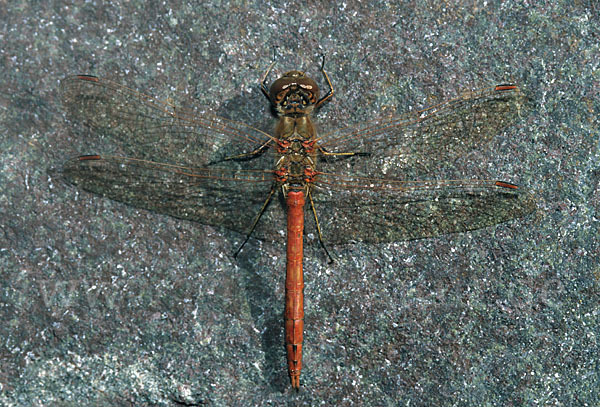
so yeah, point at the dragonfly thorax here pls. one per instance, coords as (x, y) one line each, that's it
(295, 167)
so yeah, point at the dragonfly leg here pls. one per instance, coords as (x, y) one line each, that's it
(312, 206)
(329, 93)
(263, 82)
(343, 154)
(260, 213)
(246, 156)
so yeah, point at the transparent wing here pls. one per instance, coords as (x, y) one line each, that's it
(421, 142)
(158, 137)
(215, 196)
(140, 126)
(379, 210)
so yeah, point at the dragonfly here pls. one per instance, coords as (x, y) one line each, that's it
(197, 166)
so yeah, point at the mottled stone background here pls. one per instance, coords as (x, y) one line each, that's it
(103, 304)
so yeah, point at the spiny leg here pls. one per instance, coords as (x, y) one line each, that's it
(327, 96)
(329, 93)
(260, 213)
(246, 156)
(312, 206)
(343, 154)
(263, 81)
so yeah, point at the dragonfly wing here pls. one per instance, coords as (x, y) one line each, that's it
(143, 127)
(421, 142)
(393, 211)
(219, 197)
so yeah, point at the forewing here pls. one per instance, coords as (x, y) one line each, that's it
(140, 126)
(421, 142)
(349, 209)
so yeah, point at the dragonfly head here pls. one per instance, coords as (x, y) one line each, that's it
(294, 93)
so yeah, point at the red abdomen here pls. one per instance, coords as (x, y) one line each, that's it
(294, 285)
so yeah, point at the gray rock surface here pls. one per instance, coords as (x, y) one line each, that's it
(104, 304)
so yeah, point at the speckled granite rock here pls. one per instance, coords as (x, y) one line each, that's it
(103, 304)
